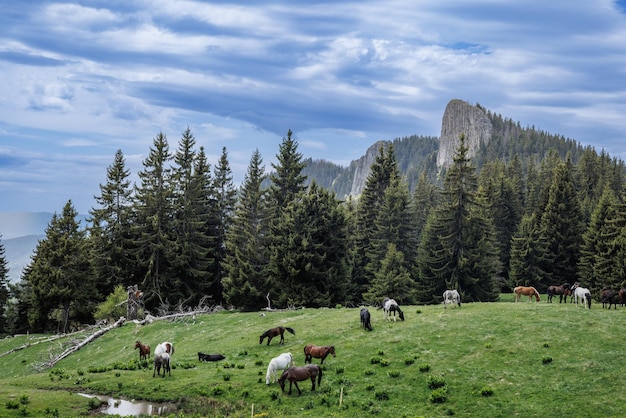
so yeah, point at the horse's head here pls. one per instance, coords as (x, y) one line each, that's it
(331, 350)
(400, 313)
(281, 380)
(137, 344)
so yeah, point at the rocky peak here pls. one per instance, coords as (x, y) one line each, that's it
(462, 118)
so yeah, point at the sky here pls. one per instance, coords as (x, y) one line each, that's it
(83, 79)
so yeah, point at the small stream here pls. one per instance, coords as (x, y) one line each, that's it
(126, 408)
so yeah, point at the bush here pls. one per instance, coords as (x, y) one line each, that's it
(435, 382)
(424, 367)
(486, 391)
(112, 308)
(547, 360)
(439, 395)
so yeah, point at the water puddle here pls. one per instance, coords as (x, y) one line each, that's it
(126, 408)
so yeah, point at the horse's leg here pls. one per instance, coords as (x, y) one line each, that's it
(269, 338)
(295, 382)
(313, 383)
(282, 338)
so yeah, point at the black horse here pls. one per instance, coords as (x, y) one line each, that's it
(563, 290)
(210, 357)
(365, 319)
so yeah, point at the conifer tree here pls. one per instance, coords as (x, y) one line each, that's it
(458, 248)
(247, 257)
(392, 280)
(110, 238)
(152, 229)
(191, 212)
(4, 289)
(561, 225)
(60, 275)
(530, 259)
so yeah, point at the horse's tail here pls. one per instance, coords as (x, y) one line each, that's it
(588, 297)
(319, 376)
(290, 330)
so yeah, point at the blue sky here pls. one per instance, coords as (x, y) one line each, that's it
(83, 79)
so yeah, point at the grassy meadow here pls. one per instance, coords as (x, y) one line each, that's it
(501, 359)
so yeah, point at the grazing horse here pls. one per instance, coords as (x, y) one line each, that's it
(161, 360)
(164, 347)
(622, 296)
(390, 305)
(144, 350)
(282, 362)
(365, 319)
(297, 374)
(451, 297)
(274, 332)
(311, 351)
(526, 291)
(583, 294)
(210, 357)
(609, 296)
(563, 290)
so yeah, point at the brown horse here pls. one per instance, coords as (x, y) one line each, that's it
(144, 350)
(622, 296)
(311, 351)
(526, 291)
(297, 374)
(564, 290)
(610, 297)
(274, 332)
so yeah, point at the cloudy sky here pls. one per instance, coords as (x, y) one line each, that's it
(82, 79)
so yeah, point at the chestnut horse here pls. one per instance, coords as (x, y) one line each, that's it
(311, 351)
(274, 332)
(297, 374)
(144, 350)
(563, 290)
(526, 291)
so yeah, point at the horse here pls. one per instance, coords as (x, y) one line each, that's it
(311, 351)
(365, 319)
(562, 290)
(210, 357)
(297, 374)
(610, 297)
(622, 296)
(390, 305)
(144, 350)
(583, 294)
(282, 362)
(271, 333)
(164, 347)
(451, 296)
(161, 360)
(526, 291)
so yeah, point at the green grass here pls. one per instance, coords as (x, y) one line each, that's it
(483, 359)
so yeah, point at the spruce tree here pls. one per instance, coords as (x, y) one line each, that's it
(61, 276)
(458, 248)
(530, 260)
(247, 257)
(392, 280)
(110, 238)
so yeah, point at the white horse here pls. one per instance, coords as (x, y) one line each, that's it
(164, 347)
(583, 294)
(282, 362)
(390, 305)
(161, 360)
(451, 296)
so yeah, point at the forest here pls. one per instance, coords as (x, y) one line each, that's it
(529, 209)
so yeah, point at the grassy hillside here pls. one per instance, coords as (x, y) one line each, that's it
(494, 359)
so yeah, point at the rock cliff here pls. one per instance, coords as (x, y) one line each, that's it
(462, 118)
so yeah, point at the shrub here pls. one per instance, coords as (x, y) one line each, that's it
(382, 395)
(424, 367)
(393, 374)
(112, 308)
(486, 391)
(375, 360)
(384, 362)
(439, 395)
(369, 372)
(409, 361)
(435, 382)
(547, 360)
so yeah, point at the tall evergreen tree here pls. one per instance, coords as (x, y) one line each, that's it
(60, 275)
(382, 171)
(247, 256)
(530, 259)
(312, 261)
(561, 225)
(110, 238)
(4, 289)
(458, 248)
(425, 197)
(190, 244)
(153, 227)
(287, 185)
(226, 198)
(392, 280)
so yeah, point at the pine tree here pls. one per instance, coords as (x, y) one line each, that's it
(110, 239)
(226, 198)
(4, 289)
(561, 225)
(60, 275)
(392, 280)
(152, 229)
(530, 259)
(458, 248)
(190, 244)
(245, 264)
